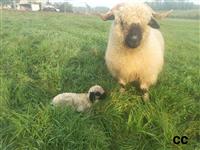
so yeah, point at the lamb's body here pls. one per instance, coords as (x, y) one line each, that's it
(79, 102)
(143, 63)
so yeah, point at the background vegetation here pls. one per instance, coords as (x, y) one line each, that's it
(43, 54)
(186, 14)
(182, 8)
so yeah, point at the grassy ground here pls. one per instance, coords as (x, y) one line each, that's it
(190, 14)
(43, 54)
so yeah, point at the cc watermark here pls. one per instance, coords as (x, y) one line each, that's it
(180, 140)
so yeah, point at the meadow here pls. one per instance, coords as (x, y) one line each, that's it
(43, 54)
(187, 14)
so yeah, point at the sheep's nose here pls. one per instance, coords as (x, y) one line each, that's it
(134, 38)
(132, 41)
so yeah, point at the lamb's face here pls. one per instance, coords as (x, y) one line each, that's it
(96, 93)
(132, 21)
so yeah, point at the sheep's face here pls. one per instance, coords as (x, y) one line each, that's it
(96, 93)
(132, 35)
(132, 22)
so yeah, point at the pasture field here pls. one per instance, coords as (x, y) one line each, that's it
(190, 14)
(43, 54)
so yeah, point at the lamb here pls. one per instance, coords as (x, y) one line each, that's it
(80, 101)
(135, 50)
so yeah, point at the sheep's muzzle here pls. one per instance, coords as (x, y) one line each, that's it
(133, 36)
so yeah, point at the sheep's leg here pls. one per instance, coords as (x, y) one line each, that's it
(145, 91)
(122, 84)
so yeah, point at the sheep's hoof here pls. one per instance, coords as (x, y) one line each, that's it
(122, 90)
(145, 97)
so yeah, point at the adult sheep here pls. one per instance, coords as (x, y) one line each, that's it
(135, 50)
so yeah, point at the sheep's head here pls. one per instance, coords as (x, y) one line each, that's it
(132, 21)
(96, 93)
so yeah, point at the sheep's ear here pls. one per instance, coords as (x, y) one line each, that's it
(100, 95)
(92, 96)
(108, 16)
(161, 15)
(153, 23)
(103, 96)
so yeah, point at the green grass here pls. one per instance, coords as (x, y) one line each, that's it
(43, 54)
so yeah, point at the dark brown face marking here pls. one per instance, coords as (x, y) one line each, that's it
(100, 95)
(96, 95)
(92, 96)
(134, 36)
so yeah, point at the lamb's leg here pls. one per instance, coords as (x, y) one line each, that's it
(122, 84)
(145, 91)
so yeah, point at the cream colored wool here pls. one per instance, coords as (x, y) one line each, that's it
(79, 102)
(143, 63)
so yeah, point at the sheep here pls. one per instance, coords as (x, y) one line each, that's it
(80, 101)
(135, 50)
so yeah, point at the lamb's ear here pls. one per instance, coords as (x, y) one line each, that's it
(103, 96)
(153, 23)
(100, 95)
(92, 96)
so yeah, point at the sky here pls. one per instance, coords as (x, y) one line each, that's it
(107, 3)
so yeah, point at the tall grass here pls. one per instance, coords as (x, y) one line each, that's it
(43, 54)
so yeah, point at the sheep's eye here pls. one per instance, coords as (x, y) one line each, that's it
(122, 24)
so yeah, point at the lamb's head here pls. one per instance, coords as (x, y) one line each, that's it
(96, 92)
(132, 22)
